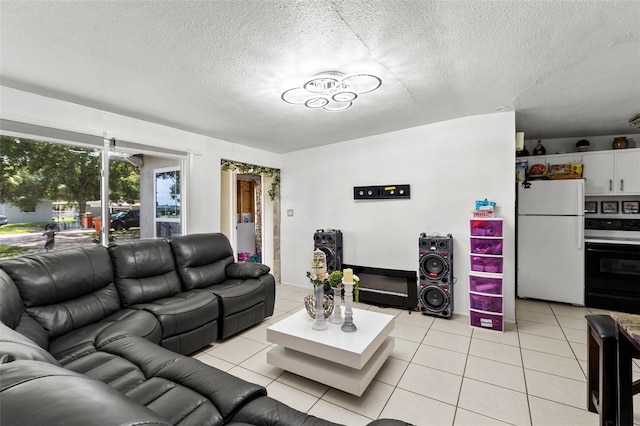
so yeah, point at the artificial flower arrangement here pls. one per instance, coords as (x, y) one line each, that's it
(317, 279)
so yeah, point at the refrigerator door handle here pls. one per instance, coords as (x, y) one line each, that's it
(580, 193)
(580, 233)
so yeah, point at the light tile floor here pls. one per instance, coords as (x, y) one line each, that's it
(442, 371)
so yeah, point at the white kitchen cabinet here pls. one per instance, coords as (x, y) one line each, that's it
(612, 172)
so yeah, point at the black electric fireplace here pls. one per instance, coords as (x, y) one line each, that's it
(387, 287)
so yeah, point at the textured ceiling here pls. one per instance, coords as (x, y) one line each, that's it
(568, 68)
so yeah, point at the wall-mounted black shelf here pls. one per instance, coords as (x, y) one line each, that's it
(381, 192)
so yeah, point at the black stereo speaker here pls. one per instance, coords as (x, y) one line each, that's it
(330, 242)
(435, 267)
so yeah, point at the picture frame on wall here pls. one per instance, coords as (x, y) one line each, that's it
(591, 207)
(609, 207)
(631, 207)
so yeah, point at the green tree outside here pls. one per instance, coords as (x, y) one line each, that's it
(32, 171)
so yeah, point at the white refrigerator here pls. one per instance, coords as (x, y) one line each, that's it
(550, 241)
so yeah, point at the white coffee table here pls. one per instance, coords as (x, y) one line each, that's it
(345, 361)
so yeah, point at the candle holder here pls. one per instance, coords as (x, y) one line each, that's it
(348, 326)
(336, 318)
(320, 322)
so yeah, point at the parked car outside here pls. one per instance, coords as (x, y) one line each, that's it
(3, 220)
(125, 219)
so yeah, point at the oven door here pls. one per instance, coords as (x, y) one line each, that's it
(612, 277)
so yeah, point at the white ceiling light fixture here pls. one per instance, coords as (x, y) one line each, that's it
(332, 90)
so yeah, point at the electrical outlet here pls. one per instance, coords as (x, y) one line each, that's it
(290, 212)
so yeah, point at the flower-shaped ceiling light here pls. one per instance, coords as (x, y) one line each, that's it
(332, 90)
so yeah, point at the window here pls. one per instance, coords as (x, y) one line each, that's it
(167, 202)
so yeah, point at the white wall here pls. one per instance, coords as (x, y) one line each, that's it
(449, 166)
(203, 204)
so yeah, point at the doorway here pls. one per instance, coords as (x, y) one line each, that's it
(250, 212)
(249, 217)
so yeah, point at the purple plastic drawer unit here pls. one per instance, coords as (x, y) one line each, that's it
(485, 284)
(485, 320)
(486, 303)
(486, 228)
(486, 246)
(486, 264)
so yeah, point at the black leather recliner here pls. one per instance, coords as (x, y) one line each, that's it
(246, 291)
(146, 279)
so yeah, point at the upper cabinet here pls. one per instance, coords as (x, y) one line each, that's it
(612, 172)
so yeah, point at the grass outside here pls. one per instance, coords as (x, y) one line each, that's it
(22, 228)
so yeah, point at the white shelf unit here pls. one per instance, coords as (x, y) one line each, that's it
(486, 308)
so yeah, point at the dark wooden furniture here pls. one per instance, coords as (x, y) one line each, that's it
(602, 372)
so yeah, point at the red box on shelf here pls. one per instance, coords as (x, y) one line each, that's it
(486, 227)
(486, 246)
(485, 302)
(485, 320)
(485, 284)
(486, 264)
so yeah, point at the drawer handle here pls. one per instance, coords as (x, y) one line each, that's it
(621, 184)
(610, 184)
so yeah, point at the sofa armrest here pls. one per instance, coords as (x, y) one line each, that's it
(15, 346)
(246, 270)
(226, 392)
(36, 393)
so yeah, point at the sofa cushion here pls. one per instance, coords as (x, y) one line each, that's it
(178, 404)
(88, 339)
(182, 388)
(112, 369)
(183, 312)
(238, 295)
(144, 271)
(36, 393)
(66, 289)
(202, 259)
(33, 330)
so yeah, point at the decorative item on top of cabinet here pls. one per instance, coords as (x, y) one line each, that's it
(582, 145)
(539, 149)
(485, 278)
(620, 143)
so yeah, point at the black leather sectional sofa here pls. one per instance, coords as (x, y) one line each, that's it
(98, 336)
